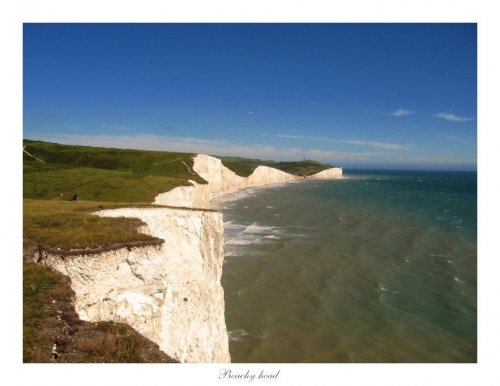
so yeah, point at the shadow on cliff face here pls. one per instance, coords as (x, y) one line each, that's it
(53, 333)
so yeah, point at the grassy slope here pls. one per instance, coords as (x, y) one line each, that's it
(66, 225)
(100, 177)
(244, 167)
(100, 174)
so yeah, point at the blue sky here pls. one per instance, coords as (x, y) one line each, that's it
(356, 95)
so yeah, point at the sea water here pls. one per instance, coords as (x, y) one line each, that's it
(375, 267)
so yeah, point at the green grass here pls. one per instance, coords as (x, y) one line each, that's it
(305, 167)
(241, 166)
(141, 162)
(244, 167)
(99, 174)
(65, 225)
(96, 184)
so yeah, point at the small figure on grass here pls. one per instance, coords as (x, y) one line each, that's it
(74, 197)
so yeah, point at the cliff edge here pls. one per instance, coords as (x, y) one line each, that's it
(170, 293)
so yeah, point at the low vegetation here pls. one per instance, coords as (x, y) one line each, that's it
(69, 225)
(98, 174)
(244, 166)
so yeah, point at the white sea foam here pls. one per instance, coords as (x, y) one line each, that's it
(229, 225)
(238, 236)
(231, 252)
(259, 229)
(222, 202)
(382, 288)
(242, 241)
(237, 335)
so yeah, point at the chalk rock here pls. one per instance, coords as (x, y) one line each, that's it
(171, 293)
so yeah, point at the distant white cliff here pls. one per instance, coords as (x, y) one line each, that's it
(222, 180)
(328, 174)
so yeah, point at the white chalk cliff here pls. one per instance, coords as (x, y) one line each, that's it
(222, 180)
(171, 293)
(328, 174)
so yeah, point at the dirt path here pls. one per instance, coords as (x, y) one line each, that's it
(31, 155)
(188, 168)
(166, 162)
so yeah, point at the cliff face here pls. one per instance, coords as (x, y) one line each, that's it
(195, 196)
(328, 174)
(170, 294)
(221, 181)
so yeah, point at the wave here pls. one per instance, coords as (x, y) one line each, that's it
(238, 236)
(242, 241)
(237, 335)
(383, 289)
(229, 226)
(222, 202)
(260, 229)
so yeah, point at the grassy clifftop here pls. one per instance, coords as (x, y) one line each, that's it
(120, 175)
(244, 166)
(100, 174)
(52, 173)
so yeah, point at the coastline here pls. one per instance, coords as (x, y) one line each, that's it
(170, 293)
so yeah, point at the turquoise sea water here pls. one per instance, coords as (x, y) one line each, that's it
(376, 267)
